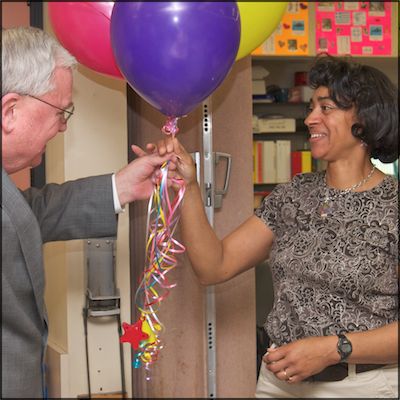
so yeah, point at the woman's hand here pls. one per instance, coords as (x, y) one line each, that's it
(181, 164)
(298, 360)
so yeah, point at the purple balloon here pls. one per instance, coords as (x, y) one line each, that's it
(175, 54)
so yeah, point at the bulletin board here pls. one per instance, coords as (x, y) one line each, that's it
(353, 27)
(291, 36)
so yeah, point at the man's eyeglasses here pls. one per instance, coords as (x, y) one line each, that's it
(67, 113)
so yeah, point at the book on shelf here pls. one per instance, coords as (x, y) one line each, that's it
(306, 165)
(254, 162)
(301, 162)
(258, 161)
(283, 148)
(295, 157)
(275, 162)
(255, 123)
(271, 161)
(269, 164)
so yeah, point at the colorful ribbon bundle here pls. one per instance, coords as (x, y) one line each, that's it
(161, 251)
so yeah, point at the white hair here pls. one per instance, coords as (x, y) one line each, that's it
(29, 57)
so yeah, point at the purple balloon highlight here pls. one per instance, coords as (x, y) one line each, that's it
(175, 54)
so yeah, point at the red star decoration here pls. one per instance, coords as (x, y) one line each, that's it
(133, 334)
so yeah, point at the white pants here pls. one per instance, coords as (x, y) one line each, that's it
(378, 383)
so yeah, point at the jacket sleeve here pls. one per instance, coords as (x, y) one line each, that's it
(74, 210)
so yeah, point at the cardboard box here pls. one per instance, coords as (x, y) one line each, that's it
(266, 125)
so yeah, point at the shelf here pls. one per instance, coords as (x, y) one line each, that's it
(263, 187)
(270, 57)
(311, 58)
(272, 135)
(274, 103)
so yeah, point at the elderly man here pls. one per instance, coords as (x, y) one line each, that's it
(36, 105)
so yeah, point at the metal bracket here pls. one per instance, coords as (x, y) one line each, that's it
(102, 297)
(209, 168)
(212, 200)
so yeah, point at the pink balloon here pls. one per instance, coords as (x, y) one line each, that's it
(83, 28)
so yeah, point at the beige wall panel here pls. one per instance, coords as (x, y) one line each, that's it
(95, 143)
(179, 372)
(17, 14)
(181, 369)
(14, 14)
(235, 299)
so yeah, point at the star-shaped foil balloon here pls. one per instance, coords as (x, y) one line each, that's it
(133, 334)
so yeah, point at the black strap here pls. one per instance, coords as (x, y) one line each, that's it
(339, 371)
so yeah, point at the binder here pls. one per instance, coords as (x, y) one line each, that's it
(269, 161)
(283, 170)
(295, 163)
(306, 164)
(254, 162)
(260, 162)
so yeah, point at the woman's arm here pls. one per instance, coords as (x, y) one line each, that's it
(309, 356)
(376, 346)
(212, 259)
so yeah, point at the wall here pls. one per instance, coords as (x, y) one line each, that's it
(16, 14)
(282, 70)
(181, 370)
(235, 299)
(95, 143)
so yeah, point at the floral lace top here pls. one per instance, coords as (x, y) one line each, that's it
(333, 273)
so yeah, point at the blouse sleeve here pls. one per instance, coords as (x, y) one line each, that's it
(269, 209)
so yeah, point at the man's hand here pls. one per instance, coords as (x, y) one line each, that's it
(136, 180)
(182, 164)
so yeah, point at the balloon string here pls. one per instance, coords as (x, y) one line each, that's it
(161, 250)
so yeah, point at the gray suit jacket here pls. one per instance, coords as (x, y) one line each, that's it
(74, 210)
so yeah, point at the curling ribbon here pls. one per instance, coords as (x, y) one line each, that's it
(161, 250)
(171, 126)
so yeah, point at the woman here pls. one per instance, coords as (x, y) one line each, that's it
(331, 241)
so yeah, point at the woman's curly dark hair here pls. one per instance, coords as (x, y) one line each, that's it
(373, 95)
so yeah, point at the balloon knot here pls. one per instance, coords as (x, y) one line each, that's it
(171, 126)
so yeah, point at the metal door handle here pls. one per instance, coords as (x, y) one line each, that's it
(221, 192)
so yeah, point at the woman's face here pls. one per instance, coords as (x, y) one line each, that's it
(330, 128)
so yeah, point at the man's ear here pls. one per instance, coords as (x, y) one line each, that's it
(8, 112)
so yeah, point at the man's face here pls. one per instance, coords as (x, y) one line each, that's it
(37, 122)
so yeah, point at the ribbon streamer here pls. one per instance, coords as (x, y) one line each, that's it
(161, 251)
(171, 126)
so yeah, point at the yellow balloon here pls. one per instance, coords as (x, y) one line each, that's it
(258, 20)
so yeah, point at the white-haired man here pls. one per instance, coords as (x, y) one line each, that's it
(36, 105)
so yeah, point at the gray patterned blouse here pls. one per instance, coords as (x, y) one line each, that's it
(334, 273)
